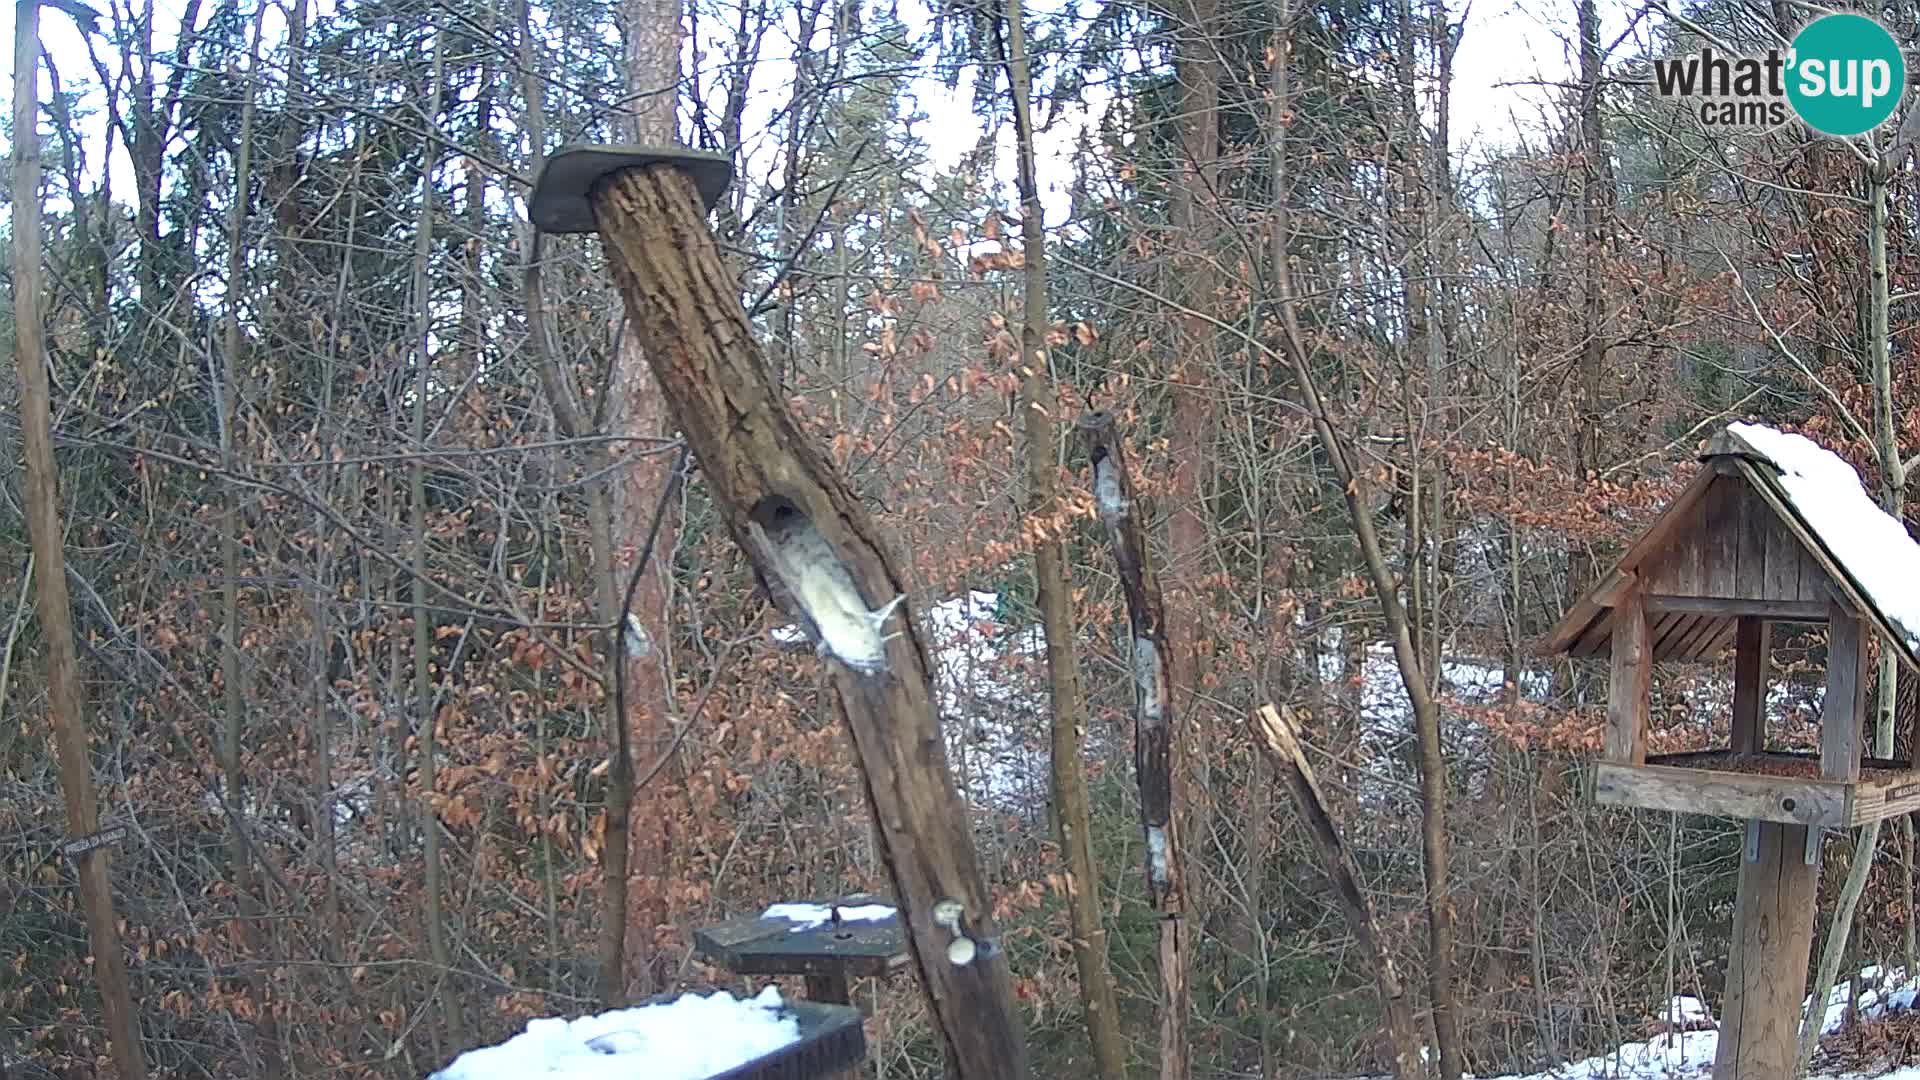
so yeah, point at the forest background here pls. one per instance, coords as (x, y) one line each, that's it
(355, 468)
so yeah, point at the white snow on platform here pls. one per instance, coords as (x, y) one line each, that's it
(690, 1038)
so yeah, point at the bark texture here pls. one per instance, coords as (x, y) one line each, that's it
(683, 302)
(1155, 739)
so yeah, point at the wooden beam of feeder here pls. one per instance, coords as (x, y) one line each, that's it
(1277, 733)
(1154, 751)
(683, 302)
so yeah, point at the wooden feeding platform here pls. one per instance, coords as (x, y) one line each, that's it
(1771, 529)
(1782, 787)
(829, 954)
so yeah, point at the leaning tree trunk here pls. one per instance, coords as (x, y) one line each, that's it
(42, 497)
(1278, 734)
(812, 542)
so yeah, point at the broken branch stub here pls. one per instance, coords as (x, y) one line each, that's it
(1279, 736)
(1152, 662)
(1153, 744)
(683, 302)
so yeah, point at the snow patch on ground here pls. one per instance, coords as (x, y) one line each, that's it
(1688, 1055)
(692, 1037)
(1872, 545)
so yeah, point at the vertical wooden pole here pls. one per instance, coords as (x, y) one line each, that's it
(1631, 684)
(831, 988)
(1752, 642)
(1845, 702)
(1767, 975)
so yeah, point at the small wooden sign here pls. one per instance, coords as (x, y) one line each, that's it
(1902, 791)
(80, 845)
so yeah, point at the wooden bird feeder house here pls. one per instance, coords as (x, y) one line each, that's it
(1772, 529)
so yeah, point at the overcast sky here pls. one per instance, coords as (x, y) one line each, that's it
(1510, 49)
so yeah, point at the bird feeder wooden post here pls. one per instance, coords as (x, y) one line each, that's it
(1729, 557)
(683, 308)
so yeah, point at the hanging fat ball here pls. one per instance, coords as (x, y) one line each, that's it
(818, 584)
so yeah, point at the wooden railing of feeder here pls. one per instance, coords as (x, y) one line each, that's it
(813, 545)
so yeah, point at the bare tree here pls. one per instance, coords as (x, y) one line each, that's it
(64, 700)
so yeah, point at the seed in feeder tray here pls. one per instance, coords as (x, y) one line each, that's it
(961, 951)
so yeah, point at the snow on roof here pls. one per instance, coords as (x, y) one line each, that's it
(1869, 544)
(689, 1038)
(808, 916)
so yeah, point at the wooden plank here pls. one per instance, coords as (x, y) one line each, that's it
(1783, 557)
(1753, 518)
(1667, 631)
(1693, 645)
(1836, 574)
(1630, 685)
(1718, 540)
(1753, 639)
(1882, 799)
(1597, 638)
(1779, 610)
(1913, 735)
(1844, 706)
(1767, 974)
(831, 988)
(1746, 796)
(1722, 640)
(1572, 625)
(1585, 611)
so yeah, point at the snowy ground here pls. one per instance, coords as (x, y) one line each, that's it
(1688, 1055)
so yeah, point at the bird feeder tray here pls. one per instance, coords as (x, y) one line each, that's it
(828, 954)
(562, 199)
(1782, 787)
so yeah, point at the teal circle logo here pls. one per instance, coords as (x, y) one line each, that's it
(1846, 75)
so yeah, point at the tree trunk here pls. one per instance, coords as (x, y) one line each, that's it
(41, 493)
(1197, 73)
(1071, 809)
(1893, 481)
(233, 679)
(653, 34)
(792, 513)
(1426, 712)
(1156, 745)
(446, 992)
